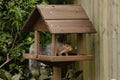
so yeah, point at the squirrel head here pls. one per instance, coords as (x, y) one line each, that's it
(67, 47)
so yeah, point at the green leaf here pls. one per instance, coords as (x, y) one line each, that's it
(8, 75)
(4, 50)
(2, 74)
(44, 2)
(6, 17)
(1, 58)
(1, 79)
(30, 40)
(11, 4)
(12, 66)
(16, 77)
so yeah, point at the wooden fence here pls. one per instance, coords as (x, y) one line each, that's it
(105, 45)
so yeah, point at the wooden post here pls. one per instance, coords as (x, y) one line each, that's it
(53, 50)
(37, 50)
(56, 73)
(56, 69)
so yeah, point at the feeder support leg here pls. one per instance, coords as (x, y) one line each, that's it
(56, 73)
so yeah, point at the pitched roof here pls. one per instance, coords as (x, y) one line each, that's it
(59, 19)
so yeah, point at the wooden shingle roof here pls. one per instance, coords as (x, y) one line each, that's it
(59, 19)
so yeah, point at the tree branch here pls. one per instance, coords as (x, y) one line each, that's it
(7, 56)
(7, 60)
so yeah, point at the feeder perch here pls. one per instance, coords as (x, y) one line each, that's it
(58, 19)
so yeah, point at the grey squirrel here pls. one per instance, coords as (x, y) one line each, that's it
(34, 65)
(60, 49)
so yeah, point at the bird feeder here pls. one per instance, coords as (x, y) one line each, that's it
(58, 19)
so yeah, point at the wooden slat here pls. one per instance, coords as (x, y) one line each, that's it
(114, 39)
(40, 25)
(118, 40)
(96, 68)
(107, 48)
(29, 56)
(31, 20)
(70, 26)
(80, 48)
(62, 12)
(59, 58)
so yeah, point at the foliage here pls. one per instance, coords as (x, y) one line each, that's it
(7, 76)
(13, 42)
(60, 1)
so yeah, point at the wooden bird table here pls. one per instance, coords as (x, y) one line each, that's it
(58, 19)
